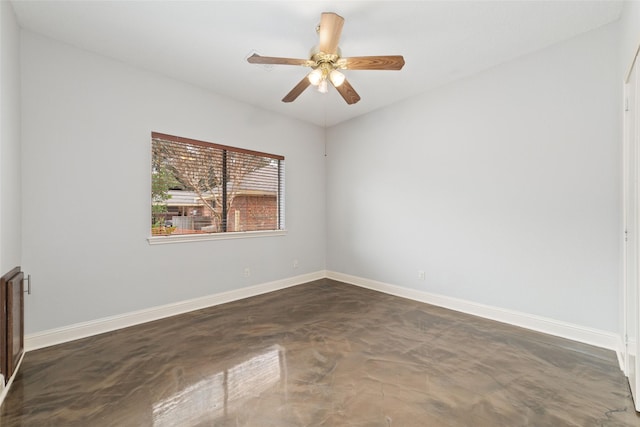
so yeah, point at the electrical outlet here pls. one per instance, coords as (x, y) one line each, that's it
(421, 275)
(247, 272)
(295, 263)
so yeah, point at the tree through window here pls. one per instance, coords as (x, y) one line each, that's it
(198, 187)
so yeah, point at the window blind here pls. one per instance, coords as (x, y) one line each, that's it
(200, 187)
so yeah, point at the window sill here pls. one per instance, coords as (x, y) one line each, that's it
(183, 238)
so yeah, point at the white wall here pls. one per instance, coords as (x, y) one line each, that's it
(630, 33)
(503, 188)
(629, 43)
(10, 191)
(86, 131)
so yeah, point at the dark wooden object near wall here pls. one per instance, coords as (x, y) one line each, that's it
(11, 321)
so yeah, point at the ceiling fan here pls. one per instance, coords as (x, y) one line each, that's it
(326, 61)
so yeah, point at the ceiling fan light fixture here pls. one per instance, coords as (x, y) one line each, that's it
(326, 59)
(315, 77)
(322, 86)
(336, 77)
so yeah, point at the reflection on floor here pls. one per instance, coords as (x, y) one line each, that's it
(320, 354)
(212, 397)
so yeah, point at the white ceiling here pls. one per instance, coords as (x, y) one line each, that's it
(206, 42)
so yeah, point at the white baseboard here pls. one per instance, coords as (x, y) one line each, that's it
(621, 362)
(603, 339)
(98, 326)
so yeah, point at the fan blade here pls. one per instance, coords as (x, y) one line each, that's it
(296, 91)
(348, 92)
(330, 30)
(393, 62)
(257, 59)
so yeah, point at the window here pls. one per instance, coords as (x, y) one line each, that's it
(203, 188)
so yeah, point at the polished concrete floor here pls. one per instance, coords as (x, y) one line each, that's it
(320, 354)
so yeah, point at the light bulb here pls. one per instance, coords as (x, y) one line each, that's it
(337, 78)
(322, 86)
(315, 76)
